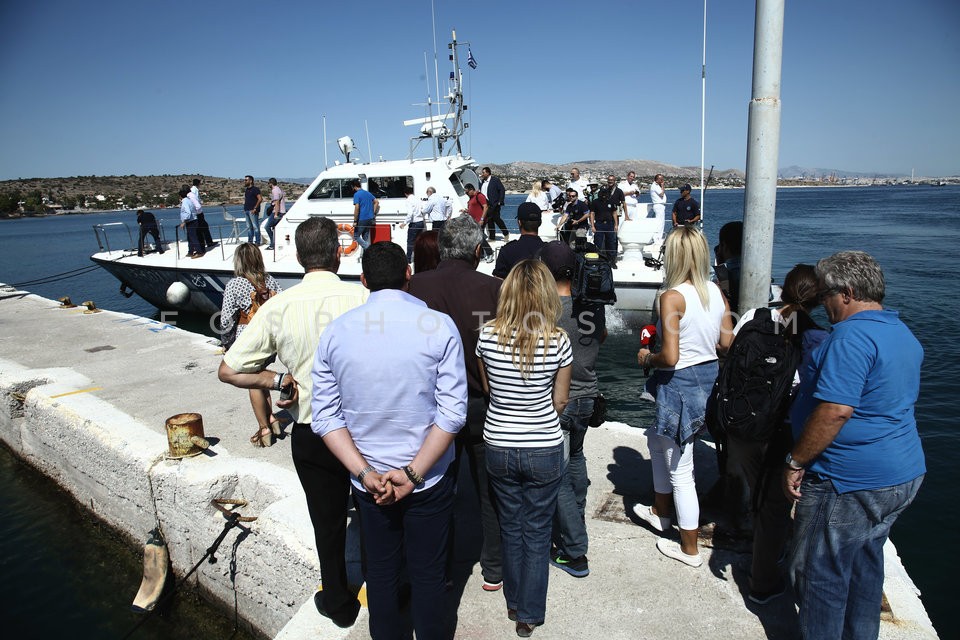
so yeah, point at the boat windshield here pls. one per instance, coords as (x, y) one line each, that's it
(379, 186)
(333, 188)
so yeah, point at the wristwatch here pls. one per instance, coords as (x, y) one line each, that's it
(790, 462)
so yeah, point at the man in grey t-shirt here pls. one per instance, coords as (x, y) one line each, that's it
(585, 324)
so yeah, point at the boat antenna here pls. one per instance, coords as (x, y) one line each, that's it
(326, 165)
(369, 153)
(436, 69)
(434, 126)
(703, 109)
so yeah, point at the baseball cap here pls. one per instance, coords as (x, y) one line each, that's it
(529, 212)
(685, 187)
(559, 258)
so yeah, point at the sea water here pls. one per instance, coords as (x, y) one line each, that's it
(913, 231)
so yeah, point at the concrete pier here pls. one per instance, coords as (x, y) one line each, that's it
(85, 399)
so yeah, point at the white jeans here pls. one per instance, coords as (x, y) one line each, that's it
(673, 473)
(659, 213)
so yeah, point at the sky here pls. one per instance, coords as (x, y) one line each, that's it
(227, 88)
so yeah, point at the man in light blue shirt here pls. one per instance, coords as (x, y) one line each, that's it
(389, 396)
(188, 221)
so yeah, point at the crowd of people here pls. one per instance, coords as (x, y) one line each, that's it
(501, 369)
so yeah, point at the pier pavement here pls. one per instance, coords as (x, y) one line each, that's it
(86, 397)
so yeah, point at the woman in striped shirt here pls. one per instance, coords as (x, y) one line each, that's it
(525, 367)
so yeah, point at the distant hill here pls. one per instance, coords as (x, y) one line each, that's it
(113, 192)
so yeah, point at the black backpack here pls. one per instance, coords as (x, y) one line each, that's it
(593, 280)
(751, 396)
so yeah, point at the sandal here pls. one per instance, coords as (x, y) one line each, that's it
(263, 437)
(277, 424)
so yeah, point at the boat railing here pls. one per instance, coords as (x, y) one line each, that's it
(105, 231)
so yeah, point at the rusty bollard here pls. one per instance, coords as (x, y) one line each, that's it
(185, 435)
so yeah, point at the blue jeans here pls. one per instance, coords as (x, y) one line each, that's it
(271, 223)
(253, 225)
(569, 523)
(836, 558)
(414, 229)
(525, 482)
(363, 231)
(412, 533)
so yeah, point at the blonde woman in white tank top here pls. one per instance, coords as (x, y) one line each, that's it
(694, 322)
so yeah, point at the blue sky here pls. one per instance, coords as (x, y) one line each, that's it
(227, 88)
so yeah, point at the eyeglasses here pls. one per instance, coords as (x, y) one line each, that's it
(826, 293)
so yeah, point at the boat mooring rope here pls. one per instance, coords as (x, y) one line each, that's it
(57, 276)
(233, 520)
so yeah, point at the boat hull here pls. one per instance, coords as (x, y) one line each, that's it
(151, 277)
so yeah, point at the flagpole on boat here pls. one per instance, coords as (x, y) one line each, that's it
(763, 148)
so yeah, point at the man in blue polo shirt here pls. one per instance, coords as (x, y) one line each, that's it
(857, 462)
(365, 210)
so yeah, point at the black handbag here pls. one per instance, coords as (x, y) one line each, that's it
(599, 415)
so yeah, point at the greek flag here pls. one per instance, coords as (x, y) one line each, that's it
(470, 59)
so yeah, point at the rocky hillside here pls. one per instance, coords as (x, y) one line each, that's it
(112, 192)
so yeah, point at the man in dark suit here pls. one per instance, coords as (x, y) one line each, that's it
(492, 189)
(456, 288)
(148, 225)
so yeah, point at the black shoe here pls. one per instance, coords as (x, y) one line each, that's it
(512, 615)
(342, 620)
(577, 567)
(525, 629)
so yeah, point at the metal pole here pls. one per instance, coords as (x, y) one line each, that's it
(703, 108)
(763, 146)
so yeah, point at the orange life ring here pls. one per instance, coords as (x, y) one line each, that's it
(346, 251)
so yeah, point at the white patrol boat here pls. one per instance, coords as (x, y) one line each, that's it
(175, 281)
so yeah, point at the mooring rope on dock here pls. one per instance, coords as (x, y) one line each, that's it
(56, 276)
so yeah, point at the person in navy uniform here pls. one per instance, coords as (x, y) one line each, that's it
(526, 246)
(686, 210)
(148, 224)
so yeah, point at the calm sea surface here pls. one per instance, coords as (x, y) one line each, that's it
(914, 232)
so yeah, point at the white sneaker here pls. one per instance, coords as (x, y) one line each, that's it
(646, 514)
(671, 549)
